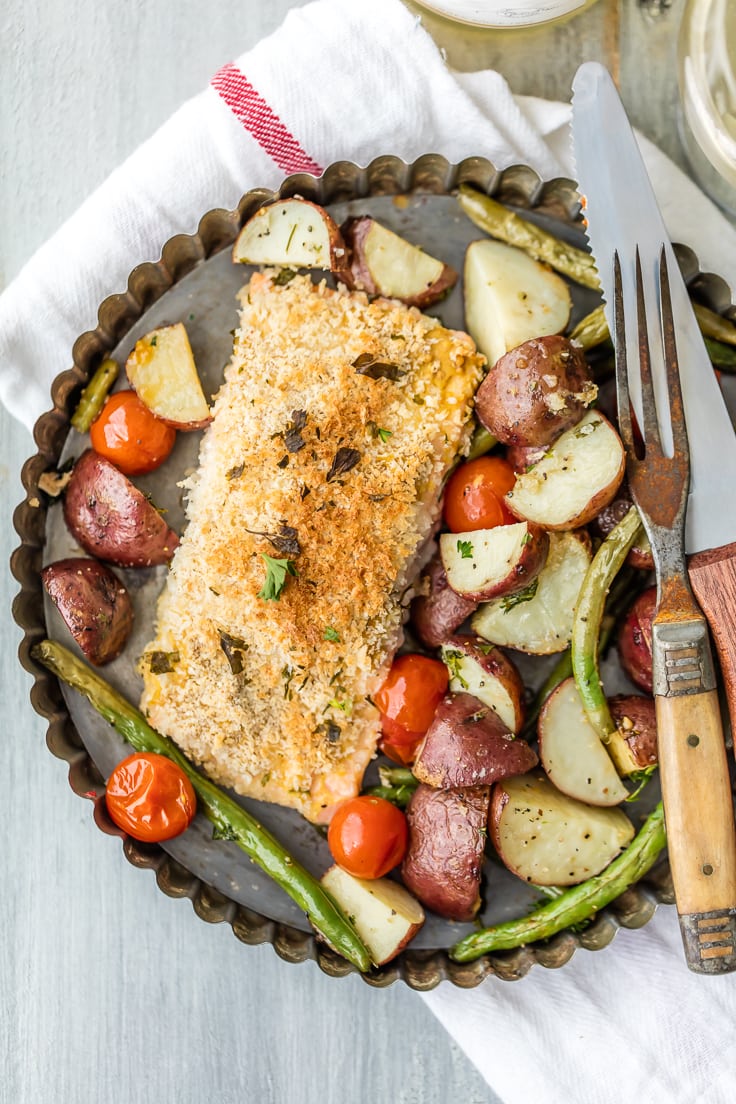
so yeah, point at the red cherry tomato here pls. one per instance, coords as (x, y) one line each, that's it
(413, 689)
(474, 495)
(150, 797)
(368, 837)
(130, 436)
(403, 754)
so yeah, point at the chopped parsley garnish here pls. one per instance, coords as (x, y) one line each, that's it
(154, 341)
(331, 730)
(332, 634)
(453, 661)
(640, 778)
(293, 437)
(465, 548)
(162, 663)
(527, 538)
(345, 459)
(368, 365)
(285, 276)
(236, 472)
(525, 595)
(276, 573)
(285, 541)
(234, 650)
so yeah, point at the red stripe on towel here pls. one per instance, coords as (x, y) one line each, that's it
(262, 121)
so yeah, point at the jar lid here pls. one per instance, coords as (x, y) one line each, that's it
(503, 13)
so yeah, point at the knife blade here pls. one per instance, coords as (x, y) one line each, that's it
(621, 211)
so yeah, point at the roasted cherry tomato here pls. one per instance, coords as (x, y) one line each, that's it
(474, 495)
(368, 837)
(130, 436)
(404, 754)
(150, 797)
(413, 689)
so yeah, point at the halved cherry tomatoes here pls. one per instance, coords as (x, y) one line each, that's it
(474, 495)
(150, 797)
(413, 689)
(368, 836)
(130, 436)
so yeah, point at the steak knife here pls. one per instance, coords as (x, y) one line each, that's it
(622, 213)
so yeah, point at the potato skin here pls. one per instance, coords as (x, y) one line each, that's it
(467, 744)
(436, 615)
(94, 604)
(636, 721)
(447, 835)
(359, 276)
(535, 392)
(640, 556)
(635, 639)
(111, 519)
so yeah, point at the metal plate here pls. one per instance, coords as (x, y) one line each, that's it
(195, 282)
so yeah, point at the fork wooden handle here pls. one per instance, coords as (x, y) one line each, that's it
(713, 579)
(700, 827)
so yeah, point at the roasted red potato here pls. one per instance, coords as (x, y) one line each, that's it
(636, 731)
(547, 838)
(437, 613)
(572, 753)
(635, 639)
(488, 563)
(447, 835)
(94, 604)
(485, 671)
(640, 556)
(386, 916)
(467, 745)
(382, 263)
(162, 372)
(578, 475)
(535, 392)
(292, 233)
(112, 519)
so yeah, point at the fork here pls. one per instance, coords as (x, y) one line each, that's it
(696, 788)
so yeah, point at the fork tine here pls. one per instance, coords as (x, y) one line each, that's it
(650, 427)
(677, 415)
(623, 398)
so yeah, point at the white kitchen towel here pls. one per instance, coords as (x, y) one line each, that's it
(354, 79)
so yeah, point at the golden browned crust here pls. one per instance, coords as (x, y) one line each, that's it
(296, 725)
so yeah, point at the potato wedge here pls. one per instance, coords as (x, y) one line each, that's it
(447, 836)
(579, 475)
(383, 263)
(547, 838)
(467, 744)
(633, 745)
(438, 613)
(482, 669)
(162, 372)
(487, 563)
(509, 298)
(111, 519)
(535, 392)
(540, 622)
(385, 915)
(571, 752)
(94, 605)
(292, 233)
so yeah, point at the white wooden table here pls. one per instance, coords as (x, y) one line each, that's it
(112, 992)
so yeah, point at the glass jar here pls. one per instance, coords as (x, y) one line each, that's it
(504, 13)
(707, 78)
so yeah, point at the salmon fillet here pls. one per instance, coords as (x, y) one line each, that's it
(333, 432)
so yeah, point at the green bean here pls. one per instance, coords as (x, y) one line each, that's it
(723, 357)
(500, 222)
(480, 443)
(591, 330)
(93, 397)
(588, 614)
(230, 819)
(575, 905)
(715, 325)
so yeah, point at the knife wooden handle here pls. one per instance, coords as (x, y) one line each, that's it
(713, 579)
(701, 837)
